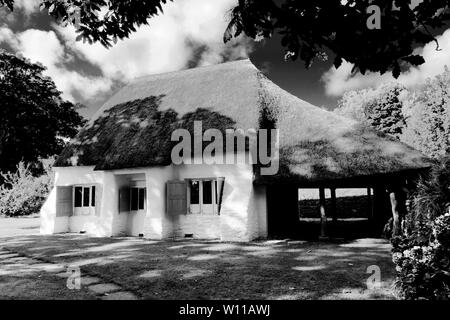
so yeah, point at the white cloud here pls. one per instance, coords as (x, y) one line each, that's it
(166, 44)
(6, 35)
(170, 42)
(338, 81)
(27, 6)
(45, 47)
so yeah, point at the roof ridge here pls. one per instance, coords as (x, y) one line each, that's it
(188, 70)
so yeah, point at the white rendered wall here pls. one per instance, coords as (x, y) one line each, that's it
(200, 226)
(243, 214)
(242, 217)
(239, 216)
(50, 223)
(96, 226)
(156, 225)
(152, 224)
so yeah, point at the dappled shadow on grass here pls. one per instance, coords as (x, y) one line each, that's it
(39, 286)
(217, 270)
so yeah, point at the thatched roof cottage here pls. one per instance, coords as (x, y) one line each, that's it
(117, 178)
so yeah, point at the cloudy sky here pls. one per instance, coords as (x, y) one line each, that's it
(188, 34)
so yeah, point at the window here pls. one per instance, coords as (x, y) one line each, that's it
(195, 191)
(93, 197)
(203, 196)
(137, 199)
(207, 192)
(78, 197)
(134, 199)
(84, 196)
(141, 198)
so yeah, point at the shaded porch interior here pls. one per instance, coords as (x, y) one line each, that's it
(345, 210)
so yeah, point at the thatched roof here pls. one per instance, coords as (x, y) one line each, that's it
(133, 128)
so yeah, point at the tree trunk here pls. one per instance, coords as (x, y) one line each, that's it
(323, 215)
(333, 205)
(398, 205)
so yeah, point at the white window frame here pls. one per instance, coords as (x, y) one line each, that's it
(214, 191)
(90, 206)
(82, 195)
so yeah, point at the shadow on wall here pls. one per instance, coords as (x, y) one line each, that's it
(135, 134)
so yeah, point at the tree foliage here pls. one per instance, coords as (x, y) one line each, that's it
(352, 103)
(102, 21)
(309, 30)
(35, 120)
(422, 253)
(385, 111)
(428, 117)
(419, 117)
(23, 193)
(380, 108)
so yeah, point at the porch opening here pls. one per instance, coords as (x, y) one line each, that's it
(348, 213)
(326, 212)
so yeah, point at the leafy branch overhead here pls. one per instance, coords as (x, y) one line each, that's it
(99, 20)
(310, 30)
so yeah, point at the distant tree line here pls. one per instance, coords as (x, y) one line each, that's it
(419, 117)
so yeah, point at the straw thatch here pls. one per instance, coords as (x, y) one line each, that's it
(133, 128)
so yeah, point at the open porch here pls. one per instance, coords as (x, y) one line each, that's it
(384, 197)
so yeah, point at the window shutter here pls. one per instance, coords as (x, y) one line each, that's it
(220, 186)
(176, 198)
(98, 199)
(64, 201)
(124, 199)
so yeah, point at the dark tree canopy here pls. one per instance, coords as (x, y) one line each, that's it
(309, 30)
(34, 118)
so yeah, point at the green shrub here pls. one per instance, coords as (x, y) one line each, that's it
(23, 193)
(422, 254)
(424, 270)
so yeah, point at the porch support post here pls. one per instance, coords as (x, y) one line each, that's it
(333, 204)
(379, 210)
(398, 206)
(370, 211)
(323, 214)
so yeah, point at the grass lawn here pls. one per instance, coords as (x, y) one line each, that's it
(211, 270)
(29, 285)
(19, 226)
